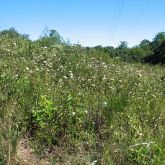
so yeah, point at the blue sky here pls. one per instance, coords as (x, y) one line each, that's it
(91, 22)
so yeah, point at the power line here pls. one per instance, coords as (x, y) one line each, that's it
(115, 14)
(114, 17)
(118, 17)
(139, 17)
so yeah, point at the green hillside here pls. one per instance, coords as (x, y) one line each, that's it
(77, 106)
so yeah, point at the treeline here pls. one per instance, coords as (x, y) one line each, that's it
(146, 52)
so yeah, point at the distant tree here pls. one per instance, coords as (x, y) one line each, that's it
(123, 45)
(159, 55)
(87, 48)
(111, 50)
(26, 36)
(136, 54)
(50, 37)
(98, 47)
(158, 45)
(159, 38)
(161, 52)
(146, 46)
(122, 50)
(12, 33)
(145, 43)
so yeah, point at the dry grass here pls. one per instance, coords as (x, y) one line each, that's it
(25, 155)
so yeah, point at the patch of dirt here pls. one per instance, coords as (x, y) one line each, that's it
(25, 155)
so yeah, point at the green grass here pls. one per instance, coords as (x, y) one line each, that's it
(96, 108)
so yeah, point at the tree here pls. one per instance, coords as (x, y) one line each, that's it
(110, 50)
(136, 54)
(122, 50)
(159, 38)
(50, 37)
(146, 46)
(12, 33)
(123, 45)
(98, 47)
(159, 55)
(145, 43)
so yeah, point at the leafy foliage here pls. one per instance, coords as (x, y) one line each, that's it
(95, 108)
(159, 55)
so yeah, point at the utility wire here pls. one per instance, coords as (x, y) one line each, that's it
(118, 17)
(114, 19)
(139, 17)
(115, 14)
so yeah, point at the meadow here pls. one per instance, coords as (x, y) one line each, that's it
(79, 107)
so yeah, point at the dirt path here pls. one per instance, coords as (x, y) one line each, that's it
(25, 156)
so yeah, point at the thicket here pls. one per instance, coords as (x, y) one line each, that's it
(95, 108)
(152, 52)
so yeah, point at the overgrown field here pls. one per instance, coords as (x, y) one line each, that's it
(79, 107)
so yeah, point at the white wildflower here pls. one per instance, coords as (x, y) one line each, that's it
(27, 68)
(105, 103)
(104, 78)
(65, 77)
(73, 113)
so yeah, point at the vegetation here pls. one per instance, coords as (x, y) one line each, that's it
(145, 52)
(79, 105)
